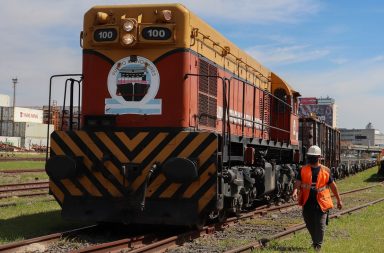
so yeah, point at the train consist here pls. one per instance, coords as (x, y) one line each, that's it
(178, 126)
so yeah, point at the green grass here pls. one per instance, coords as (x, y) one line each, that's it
(360, 232)
(14, 178)
(22, 154)
(11, 165)
(31, 217)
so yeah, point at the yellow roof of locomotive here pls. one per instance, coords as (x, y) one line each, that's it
(191, 32)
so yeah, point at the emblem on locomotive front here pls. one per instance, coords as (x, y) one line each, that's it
(133, 83)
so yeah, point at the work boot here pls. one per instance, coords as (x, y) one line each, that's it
(317, 247)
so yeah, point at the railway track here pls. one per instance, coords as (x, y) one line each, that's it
(289, 231)
(134, 245)
(10, 159)
(162, 242)
(17, 171)
(42, 241)
(24, 189)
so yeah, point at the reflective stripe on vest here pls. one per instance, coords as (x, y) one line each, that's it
(323, 194)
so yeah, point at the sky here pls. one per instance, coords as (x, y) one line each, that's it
(321, 48)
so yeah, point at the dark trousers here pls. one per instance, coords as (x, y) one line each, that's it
(315, 221)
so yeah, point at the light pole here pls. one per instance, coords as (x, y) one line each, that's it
(14, 80)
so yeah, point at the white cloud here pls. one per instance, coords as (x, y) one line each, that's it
(39, 38)
(276, 55)
(379, 58)
(256, 11)
(356, 86)
(339, 61)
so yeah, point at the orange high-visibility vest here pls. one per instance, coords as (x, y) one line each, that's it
(323, 193)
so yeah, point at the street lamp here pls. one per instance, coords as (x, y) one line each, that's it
(14, 80)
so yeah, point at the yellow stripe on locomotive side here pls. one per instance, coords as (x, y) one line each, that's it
(82, 180)
(99, 154)
(149, 148)
(56, 148)
(88, 164)
(185, 153)
(71, 187)
(208, 152)
(131, 144)
(192, 189)
(112, 147)
(164, 153)
(208, 196)
(56, 191)
(195, 186)
(89, 186)
(168, 193)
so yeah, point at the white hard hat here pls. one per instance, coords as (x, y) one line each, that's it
(314, 150)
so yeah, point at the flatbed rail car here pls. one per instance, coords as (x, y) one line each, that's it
(177, 123)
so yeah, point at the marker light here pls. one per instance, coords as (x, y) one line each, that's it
(128, 39)
(128, 25)
(102, 18)
(167, 15)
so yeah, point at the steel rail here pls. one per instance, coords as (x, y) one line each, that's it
(33, 194)
(11, 159)
(22, 246)
(24, 186)
(136, 245)
(262, 242)
(22, 171)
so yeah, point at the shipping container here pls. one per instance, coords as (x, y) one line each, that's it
(5, 100)
(37, 130)
(7, 114)
(6, 128)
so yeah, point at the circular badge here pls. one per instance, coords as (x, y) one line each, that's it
(133, 80)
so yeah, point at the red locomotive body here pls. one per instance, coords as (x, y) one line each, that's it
(174, 117)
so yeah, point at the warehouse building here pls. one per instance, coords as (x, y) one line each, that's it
(367, 137)
(22, 127)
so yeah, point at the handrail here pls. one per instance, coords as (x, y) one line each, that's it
(225, 51)
(49, 102)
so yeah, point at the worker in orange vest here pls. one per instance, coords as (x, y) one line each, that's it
(312, 191)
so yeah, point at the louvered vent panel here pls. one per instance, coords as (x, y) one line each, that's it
(207, 94)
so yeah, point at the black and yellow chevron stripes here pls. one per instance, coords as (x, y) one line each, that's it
(104, 178)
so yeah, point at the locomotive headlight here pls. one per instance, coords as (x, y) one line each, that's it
(128, 25)
(128, 39)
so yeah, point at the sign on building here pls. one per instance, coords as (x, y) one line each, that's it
(28, 115)
(323, 108)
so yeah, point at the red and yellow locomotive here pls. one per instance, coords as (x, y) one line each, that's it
(178, 124)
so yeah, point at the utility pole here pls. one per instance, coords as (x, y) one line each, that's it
(14, 80)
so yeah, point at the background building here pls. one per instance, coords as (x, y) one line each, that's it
(5, 100)
(367, 137)
(324, 108)
(22, 127)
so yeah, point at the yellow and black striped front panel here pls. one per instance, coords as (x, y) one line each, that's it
(104, 154)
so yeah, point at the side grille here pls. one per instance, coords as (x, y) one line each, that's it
(264, 112)
(207, 94)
